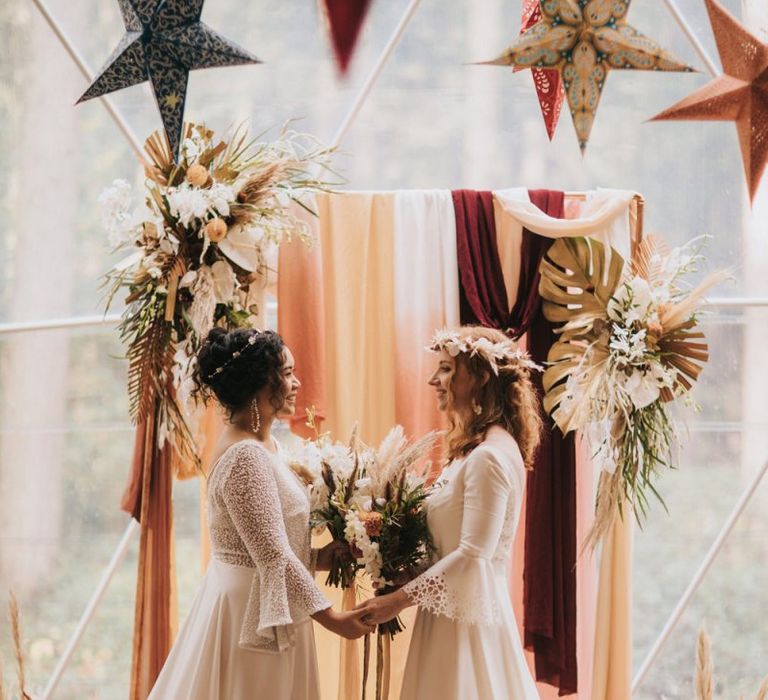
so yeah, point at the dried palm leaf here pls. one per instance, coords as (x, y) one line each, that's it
(704, 673)
(578, 278)
(161, 163)
(647, 260)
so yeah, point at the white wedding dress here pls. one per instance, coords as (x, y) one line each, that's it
(249, 634)
(465, 644)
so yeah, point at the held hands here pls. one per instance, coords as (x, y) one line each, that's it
(383, 608)
(349, 624)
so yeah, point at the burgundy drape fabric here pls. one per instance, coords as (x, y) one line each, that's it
(549, 584)
(482, 295)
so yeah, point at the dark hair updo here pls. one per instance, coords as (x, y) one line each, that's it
(249, 361)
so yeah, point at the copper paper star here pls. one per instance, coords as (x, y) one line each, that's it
(547, 81)
(164, 40)
(740, 95)
(583, 40)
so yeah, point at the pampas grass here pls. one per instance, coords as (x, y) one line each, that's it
(704, 670)
(14, 617)
(762, 693)
(704, 681)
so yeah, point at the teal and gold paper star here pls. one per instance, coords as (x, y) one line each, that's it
(164, 40)
(584, 40)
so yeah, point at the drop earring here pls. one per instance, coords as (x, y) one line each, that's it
(255, 417)
(477, 409)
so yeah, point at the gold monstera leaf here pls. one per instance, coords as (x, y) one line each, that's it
(578, 278)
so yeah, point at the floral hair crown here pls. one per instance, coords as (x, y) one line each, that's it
(237, 353)
(504, 352)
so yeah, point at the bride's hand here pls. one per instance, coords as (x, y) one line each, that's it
(333, 550)
(349, 625)
(383, 608)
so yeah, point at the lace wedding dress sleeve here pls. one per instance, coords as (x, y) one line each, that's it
(461, 584)
(286, 589)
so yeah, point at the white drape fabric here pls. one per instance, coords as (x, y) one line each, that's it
(426, 298)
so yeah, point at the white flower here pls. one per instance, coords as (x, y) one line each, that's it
(642, 389)
(115, 200)
(243, 246)
(187, 203)
(220, 196)
(641, 295)
(188, 279)
(631, 347)
(193, 146)
(371, 559)
(123, 226)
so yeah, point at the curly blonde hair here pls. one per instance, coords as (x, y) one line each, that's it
(507, 399)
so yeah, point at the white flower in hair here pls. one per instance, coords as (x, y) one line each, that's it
(504, 352)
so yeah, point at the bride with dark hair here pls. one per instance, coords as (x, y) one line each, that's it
(249, 632)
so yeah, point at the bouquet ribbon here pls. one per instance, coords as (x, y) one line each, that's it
(383, 664)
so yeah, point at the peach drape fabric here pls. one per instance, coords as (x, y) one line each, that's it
(612, 675)
(301, 316)
(148, 500)
(357, 310)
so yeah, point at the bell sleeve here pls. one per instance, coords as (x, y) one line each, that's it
(283, 588)
(462, 585)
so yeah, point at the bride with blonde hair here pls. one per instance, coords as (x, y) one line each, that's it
(465, 642)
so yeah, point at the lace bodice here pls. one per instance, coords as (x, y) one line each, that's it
(258, 515)
(472, 515)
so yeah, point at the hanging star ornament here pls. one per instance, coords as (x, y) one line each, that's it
(739, 95)
(547, 81)
(164, 40)
(583, 40)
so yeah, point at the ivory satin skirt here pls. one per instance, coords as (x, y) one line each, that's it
(207, 663)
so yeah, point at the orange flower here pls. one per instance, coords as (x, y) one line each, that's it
(197, 175)
(216, 230)
(373, 523)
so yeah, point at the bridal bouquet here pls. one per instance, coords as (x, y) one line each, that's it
(335, 473)
(387, 525)
(198, 249)
(628, 346)
(372, 500)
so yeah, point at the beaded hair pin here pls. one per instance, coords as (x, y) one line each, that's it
(235, 355)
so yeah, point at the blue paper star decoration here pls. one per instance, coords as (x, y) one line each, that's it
(164, 40)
